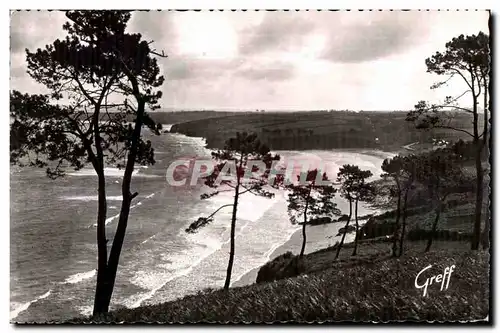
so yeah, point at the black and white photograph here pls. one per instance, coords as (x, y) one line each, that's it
(250, 166)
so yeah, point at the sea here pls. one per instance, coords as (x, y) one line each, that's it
(53, 251)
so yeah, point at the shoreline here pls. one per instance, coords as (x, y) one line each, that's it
(294, 243)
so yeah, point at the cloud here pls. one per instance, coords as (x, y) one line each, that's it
(17, 71)
(157, 26)
(281, 60)
(34, 29)
(16, 42)
(276, 71)
(186, 68)
(277, 31)
(381, 34)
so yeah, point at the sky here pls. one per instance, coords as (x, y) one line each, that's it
(356, 60)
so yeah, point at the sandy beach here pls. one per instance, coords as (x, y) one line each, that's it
(318, 237)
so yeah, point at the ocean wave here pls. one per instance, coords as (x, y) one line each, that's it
(108, 172)
(85, 310)
(115, 172)
(109, 219)
(92, 198)
(23, 307)
(178, 266)
(202, 244)
(79, 277)
(95, 198)
(147, 239)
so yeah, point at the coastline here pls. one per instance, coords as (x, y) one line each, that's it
(316, 240)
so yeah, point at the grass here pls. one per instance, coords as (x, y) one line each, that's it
(367, 290)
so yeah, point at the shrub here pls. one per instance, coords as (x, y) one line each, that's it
(283, 266)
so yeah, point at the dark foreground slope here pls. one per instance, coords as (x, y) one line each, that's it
(321, 129)
(379, 291)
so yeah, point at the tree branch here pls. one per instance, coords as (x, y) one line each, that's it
(223, 206)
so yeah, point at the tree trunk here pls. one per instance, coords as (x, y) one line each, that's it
(434, 227)
(403, 228)
(127, 197)
(97, 160)
(485, 110)
(304, 238)
(345, 230)
(396, 228)
(233, 230)
(102, 256)
(357, 228)
(486, 232)
(476, 235)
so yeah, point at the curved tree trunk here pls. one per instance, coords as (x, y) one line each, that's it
(127, 197)
(345, 230)
(102, 256)
(227, 283)
(102, 250)
(304, 238)
(357, 228)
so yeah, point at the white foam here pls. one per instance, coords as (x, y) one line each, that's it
(91, 198)
(114, 172)
(167, 127)
(154, 281)
(79, 277)
(108, 172)
(25, 306)
(144, 241)
(86, 310)
(109, 219)
(203, 245)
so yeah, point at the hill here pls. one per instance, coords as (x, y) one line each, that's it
(321, 129)
(379, 290)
